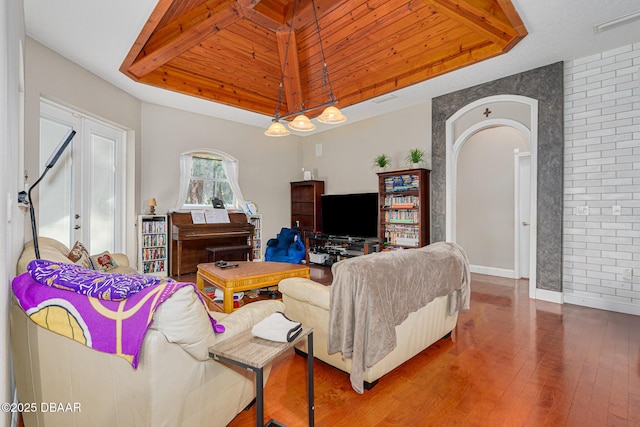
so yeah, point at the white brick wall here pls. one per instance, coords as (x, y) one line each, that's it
(602, 169)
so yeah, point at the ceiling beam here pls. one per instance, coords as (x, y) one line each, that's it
(182, 34)
(275, 21)
(288, 48)
(477, 19)
(209, 89)
(514, 19)
(147, 31)
(248, 11)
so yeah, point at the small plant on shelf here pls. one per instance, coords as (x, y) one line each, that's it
(382, 161)
(415, 157)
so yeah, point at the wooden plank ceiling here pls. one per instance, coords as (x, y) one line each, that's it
(234, 51)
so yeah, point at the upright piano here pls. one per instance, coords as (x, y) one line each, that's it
(189, 241)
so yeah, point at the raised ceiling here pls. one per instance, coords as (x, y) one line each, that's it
(233, 51)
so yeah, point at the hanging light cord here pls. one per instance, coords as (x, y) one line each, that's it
(325, 73)
(284, 64)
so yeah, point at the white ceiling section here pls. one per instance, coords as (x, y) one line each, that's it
(98, 34)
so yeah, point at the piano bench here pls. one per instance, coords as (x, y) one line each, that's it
(215, 252)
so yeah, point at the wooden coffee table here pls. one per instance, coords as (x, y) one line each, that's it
(248, 275)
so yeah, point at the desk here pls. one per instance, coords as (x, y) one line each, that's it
(248, 275)
(254, 353)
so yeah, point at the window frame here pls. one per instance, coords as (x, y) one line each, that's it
(186, 178)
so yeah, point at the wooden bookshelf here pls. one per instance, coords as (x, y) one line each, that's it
(256, 220)
(403, 197)
(306, 209)
(153, 247)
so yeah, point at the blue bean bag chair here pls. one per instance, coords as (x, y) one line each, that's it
(286, 247)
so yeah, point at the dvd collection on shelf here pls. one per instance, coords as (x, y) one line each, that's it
(398, 183)
(402, 234)
(403, 221)
(256, 221)
(401, 202)
(153, 249)
(156, 266)
(401, 217)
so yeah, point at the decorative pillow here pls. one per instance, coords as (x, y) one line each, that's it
(104, 261)
(80, 256)
(106, 286)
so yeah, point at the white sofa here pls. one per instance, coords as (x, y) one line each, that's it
(53, 250)
(311, 303)
(175, 383)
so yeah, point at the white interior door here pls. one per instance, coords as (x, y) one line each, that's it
(524, 212)
(82, 196)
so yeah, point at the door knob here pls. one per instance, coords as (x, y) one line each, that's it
(77, 216)
(77, 227)
(525, 223)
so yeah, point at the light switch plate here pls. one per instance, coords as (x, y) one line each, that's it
(582, 210)
(616, 210)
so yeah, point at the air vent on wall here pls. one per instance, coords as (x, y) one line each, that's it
(617, 22)
(384, 99)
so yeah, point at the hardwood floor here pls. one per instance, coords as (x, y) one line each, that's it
(511, 361)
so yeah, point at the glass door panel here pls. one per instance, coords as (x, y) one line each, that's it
(102, 194)
(54, 195)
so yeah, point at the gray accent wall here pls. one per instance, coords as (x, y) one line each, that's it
(544, 84)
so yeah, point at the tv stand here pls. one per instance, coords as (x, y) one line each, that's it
(327, 250)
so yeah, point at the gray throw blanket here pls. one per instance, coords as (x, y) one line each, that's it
(372, 294)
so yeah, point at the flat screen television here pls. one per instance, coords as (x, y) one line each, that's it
(350, 215)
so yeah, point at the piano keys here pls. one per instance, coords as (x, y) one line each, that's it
(189, 241)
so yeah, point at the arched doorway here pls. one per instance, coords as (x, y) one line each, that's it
(517, 112)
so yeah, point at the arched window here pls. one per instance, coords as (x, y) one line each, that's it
(209, 174)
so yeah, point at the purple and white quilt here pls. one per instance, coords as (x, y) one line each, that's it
(106, 313)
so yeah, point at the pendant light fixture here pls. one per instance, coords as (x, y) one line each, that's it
(277, 129)
(302, 123)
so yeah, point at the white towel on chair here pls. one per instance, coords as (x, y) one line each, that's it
(277, 327)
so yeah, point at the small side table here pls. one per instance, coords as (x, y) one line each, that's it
(254, 354)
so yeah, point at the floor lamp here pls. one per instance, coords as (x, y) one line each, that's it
(52, 161)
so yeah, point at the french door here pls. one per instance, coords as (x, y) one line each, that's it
(82, 198)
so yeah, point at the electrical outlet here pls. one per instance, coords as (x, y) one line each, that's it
(627, 274)
(616, 210)
(582, 210)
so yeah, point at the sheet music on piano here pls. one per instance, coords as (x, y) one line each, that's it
(198, 217)
(216, 216)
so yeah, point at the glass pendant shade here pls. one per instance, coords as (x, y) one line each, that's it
(277, 129)
(302, 123)
(331, 115)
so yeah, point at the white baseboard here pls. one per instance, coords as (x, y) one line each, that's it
(493, 271)
(550, 296)
(586, 301)
(540, 294)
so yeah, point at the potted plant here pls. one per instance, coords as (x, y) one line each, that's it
(415, 157)
(382, 161)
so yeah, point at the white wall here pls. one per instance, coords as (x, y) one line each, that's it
(602, 169)
(266, 165)
(346, 163)
(485, 196)
(52, 76)
(11, 231)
